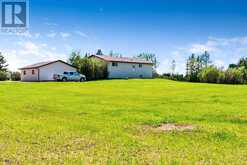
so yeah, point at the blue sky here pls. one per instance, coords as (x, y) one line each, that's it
(172, 29)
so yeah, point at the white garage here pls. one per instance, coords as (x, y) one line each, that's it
(44, 71)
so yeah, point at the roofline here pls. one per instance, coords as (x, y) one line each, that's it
(52, 62)
(148, 63)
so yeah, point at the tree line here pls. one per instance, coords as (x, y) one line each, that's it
(5, 74)
(199, 68)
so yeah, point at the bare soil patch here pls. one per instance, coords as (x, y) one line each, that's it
(174, 127)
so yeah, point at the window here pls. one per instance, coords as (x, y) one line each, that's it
(65, 72)
(24, 72)
(71, 73)
(115, 64)
(140, 65)
(33, 72)
(133, 66)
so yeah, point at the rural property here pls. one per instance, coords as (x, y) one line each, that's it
(123, 82)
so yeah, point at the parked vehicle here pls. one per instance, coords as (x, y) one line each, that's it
(69, 76)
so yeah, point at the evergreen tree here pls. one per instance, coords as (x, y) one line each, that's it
(205, 59)
(173, 66)
(149, 57)
(99, 52)
(3, 63)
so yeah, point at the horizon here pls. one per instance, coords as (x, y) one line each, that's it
(172, 30)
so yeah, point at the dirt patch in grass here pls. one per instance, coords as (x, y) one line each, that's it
(175, 127)
(166, 127)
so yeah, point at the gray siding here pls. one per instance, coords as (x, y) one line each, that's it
(29, 76)
(126, 70)
(46, 72)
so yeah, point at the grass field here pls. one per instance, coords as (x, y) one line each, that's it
(104, 122)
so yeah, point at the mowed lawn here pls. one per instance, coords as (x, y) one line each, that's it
(105, 122)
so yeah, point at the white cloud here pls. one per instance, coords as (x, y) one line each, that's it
(50, 24)
(81, 34)
(29, 48)
(51, 35)
(65, 35)
(223, 51)
(28, 35)
(199, 48)
(36, 35)
(28, 52)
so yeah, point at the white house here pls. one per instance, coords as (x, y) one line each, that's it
(123, 67)
(44, 71)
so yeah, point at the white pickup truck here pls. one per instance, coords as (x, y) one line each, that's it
(69, 76)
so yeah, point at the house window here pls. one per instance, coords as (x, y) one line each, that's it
(33, 72)
(24, 72)
(140, 65)
(115, 64)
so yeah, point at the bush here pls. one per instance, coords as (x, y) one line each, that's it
(93, 69)
(235, 75)
(210, 74)
(3, 76)
(156, 74)
(15, 76)
(221, 78)
(176, 77)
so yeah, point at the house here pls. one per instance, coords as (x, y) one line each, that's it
(44, 71)
(123, 67)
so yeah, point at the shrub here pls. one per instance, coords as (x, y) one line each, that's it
(221, 78)
(15, 76)
(156, 74)
(93, 69)
(234, 75)
(176, 77)
(3, 76)
(210, 74)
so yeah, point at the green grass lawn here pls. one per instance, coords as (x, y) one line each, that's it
(104, 122)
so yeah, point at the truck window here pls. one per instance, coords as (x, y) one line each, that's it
(65, 72)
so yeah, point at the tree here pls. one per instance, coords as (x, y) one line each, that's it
(173, 66)
(209, 74)
(3, 75)
(205, 59)
(232, 66)
(75, 59)
(149, 57)
(192, 68)
(91, 68)
(3, 63)
(114, 54)
(242, 62)
(99, 52)
(234, 75)
(15, 76)
(195, 64)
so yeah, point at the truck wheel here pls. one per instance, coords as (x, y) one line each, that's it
(64, 79)
(82, 79)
